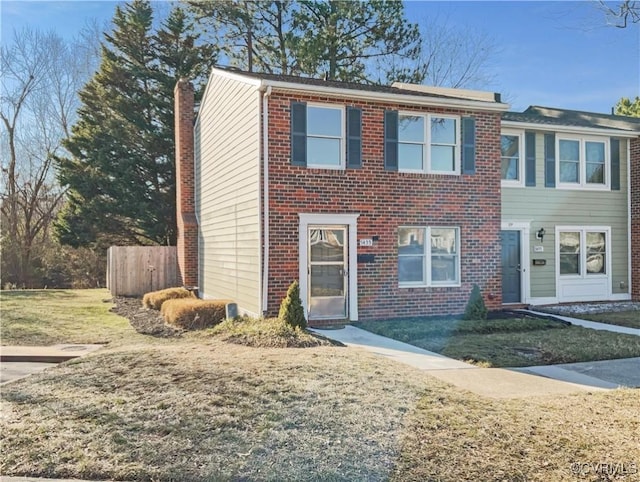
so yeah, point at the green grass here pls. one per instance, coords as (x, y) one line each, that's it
(630, 319)
(48, 317)
(513, 342)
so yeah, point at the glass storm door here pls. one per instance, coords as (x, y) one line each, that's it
(328, 277)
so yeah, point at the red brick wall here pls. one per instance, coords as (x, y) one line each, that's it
(187, 243)
(635, 219)
(386, 200)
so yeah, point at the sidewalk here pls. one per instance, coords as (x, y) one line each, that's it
(588, 324)
(493, 382)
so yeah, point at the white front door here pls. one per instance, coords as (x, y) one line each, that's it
(328, 276)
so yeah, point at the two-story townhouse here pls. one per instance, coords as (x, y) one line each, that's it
(382, 201)
(570, 184)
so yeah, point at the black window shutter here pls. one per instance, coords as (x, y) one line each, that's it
(530, 158)
(391, 140)
(298, 134)
(354, 138)
(468, 145)
(615, 164)
(549, 160)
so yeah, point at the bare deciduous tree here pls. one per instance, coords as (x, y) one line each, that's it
(623, 14)
(41, 75)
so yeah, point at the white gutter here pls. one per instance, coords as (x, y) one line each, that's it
(569, 129)
(629, 241)
(265, 198)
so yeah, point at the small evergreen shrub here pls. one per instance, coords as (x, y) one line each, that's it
(193, 313)
(476, 309)
(291, 309)
(155, 299)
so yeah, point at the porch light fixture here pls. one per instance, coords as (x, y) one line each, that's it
(540, 234)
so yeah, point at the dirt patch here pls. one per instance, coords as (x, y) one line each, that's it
(143, 320)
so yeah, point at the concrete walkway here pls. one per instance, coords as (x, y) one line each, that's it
(495, 382)
(588, 324)
(21, 361)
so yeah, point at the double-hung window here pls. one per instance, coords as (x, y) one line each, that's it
(583, 252)
(428, 143)
(325, 136)
(428, 256)
(512, 158)
(582, 163)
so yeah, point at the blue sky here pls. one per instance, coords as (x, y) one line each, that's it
(559, 54)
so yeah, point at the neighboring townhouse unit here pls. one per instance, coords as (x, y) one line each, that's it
(382, 201)
(568, 233)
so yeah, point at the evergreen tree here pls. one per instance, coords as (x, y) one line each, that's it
(121, 172)
(626, 107)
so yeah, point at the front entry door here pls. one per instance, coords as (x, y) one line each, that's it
(511, 269)
(328, 277)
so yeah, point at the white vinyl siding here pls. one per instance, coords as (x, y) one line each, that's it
(227, 171)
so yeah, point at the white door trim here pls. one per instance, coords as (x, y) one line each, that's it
(350, 220)
(525, 262)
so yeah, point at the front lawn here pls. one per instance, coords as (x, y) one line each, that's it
(509, 342)
(198, 408)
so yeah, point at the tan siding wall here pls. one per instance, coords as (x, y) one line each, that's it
(550, 207)
(227, 197)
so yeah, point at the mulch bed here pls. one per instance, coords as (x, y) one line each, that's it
(143, 320)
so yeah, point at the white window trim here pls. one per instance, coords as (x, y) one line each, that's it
(426, 267)
(521, 160)
(583, 184)
(426, 145)
(343, 135)
(583, 230)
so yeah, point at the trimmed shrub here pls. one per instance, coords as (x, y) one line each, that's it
(155, 299)
(193, 313)
(291, 309)
(476, 309)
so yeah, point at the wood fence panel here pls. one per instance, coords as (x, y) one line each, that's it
(136, 270)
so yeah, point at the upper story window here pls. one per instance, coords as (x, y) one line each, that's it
(429, 143)
(325, 136)
(512, 158)
(582, 162)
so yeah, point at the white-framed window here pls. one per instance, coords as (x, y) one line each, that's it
(428, 256)
(583, 252)
(512, 158)
(428, 143)
(325, 136)
(583, 162)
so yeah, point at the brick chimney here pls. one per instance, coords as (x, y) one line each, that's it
(635, 218)
(187, 244)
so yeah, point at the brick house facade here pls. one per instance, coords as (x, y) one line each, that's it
(383, 239)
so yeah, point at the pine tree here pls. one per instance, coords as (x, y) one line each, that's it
(121, 172)
(291, 309)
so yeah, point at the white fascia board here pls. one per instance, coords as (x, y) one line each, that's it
(569, 129)
(386, 97)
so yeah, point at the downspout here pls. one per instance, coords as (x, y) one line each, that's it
(265, 198)
(629, 225)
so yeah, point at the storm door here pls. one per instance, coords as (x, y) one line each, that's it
(327, 270)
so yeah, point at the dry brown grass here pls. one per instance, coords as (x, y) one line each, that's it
(210, 410)
(192, 313)
(155, 299)
(455, 435)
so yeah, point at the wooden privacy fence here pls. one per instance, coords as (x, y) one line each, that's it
(136, 270)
